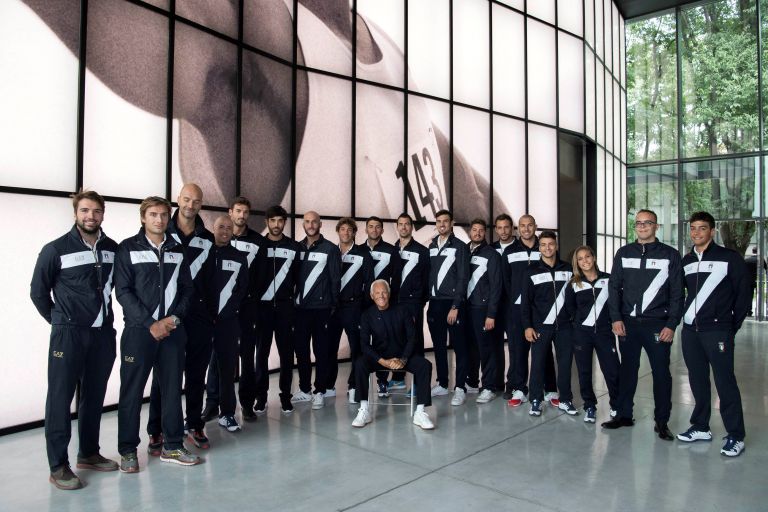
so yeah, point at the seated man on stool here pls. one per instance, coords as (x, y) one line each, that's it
(387, 338)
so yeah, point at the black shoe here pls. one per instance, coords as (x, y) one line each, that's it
(508, 394)
(285, 404)
(211, 412)
(618, 423)
(663, 431)
(249, 414)
(261, 406)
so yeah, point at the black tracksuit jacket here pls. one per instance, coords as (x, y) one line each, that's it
(197, 248)
(227, 283)
(356, 275)
(413, 281)
(448, 270)
(278, 271)
(587, 303)
(516, 260)
(542, 305)
(319, 275)
(252, 244)
(485, 284)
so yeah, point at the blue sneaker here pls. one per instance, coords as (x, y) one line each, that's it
(568, 407)
(732, 447)
(535, 408)
(692, 434)
(383, 391)
(396, 384)
(590, 415)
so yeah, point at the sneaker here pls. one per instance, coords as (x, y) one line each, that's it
(351, 396)
(486, 396)
(362, 419)
(553, 398)
(567, 406)
(508, 394)
(330, 393)
(732, 447)
(590, 415)
(64, 479)
(211, 412)
(438, 390)
(421, 419)
(691, 435)
(471, 390)
(285, 404)
(383, 391)
(229, 423)
(396, 384)
(129, 463)
(249, 414)
(301, 396)
(198, 438)
(518, 399)
(181, 456)
(261, 406)
(318, 401)
(535, 408)
(97, 463)
(459, 397)
(613, 413)
(155, 445)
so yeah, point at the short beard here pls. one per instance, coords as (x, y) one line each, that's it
(87, 231)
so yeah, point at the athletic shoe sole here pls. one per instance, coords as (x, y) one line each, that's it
(63, 488)
(94, 467)
(685, 439)
(181, 463)
(201, 445)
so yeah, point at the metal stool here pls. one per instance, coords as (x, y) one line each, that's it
(372, 393)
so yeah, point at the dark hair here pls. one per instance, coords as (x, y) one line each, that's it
(703, 216)
(405, 216)
(276, 211)
(548, 234)
(651, 212)
(86, 194)
(480, 222)
(502, 217)
(154, 201)
(444, 212)
(375, 219)
(239, 200)
(347, 221)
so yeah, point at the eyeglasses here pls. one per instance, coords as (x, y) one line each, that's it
(644, 223)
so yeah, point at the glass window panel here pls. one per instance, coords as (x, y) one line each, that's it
(599, 28)
(618, 116)
(471, 164)
(379, 151)
(320, 46)
(509, 167)
(508, 61)
(591, 93)
(571, 82)
(600, 190)
(35, 111)
(608, 53)
(429, 47)
(428, 158)
(655, 188)
(589, 22)
(623, 126)
(205, 116)
(268, 25)
(470, 52)
(623, 213)
(725, 188)
(125, 106)
(219, 15)
(542, 9)
(600, 101)
(608, 194)
(608, 256)
(542, 175)
(617, 197)
(324, 165)
(622, 50)
(384, 23)
(719, 78)
(570, 16)
(616, 34)
(602, 252)
(608, 111)
(542, 99)
(265, 167)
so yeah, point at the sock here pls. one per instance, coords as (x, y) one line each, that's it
(364, 405)
(420, 408)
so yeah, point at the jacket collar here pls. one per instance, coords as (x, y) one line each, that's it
(199, 224)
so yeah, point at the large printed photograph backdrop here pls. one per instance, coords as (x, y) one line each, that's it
(402, 106)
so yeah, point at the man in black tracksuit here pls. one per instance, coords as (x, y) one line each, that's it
(483, 295)
(225, 291)
(504, 228)
(317, 296)
(154, 286)
(546, 321)
(78, 269)
(278, 274)
(187, 228)
(448, 278)
(718, 299)
(250, 243)
(356, 278)
(645, 304)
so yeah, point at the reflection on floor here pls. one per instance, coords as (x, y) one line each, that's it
(480, 457)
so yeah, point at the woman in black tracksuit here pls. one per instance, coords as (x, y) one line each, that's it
(586, 298)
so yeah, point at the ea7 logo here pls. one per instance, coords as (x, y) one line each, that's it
(58, 353)
(128, 359)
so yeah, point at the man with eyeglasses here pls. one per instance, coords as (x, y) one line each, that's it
(645, 304)
(77, 268)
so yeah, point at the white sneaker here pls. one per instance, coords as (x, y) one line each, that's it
(471, 390)
(518, 399)
(486, 396)
(301, 396)
(351, 396)
(438, 390)
(362, 419)
(330, 393)
(459, 397)
(318, 401)
(421, 419)
(553, 399)
(229, 423)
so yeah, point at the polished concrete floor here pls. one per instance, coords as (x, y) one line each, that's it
(480, 457)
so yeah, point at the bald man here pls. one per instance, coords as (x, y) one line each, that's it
(187, 228)
(317, 295)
